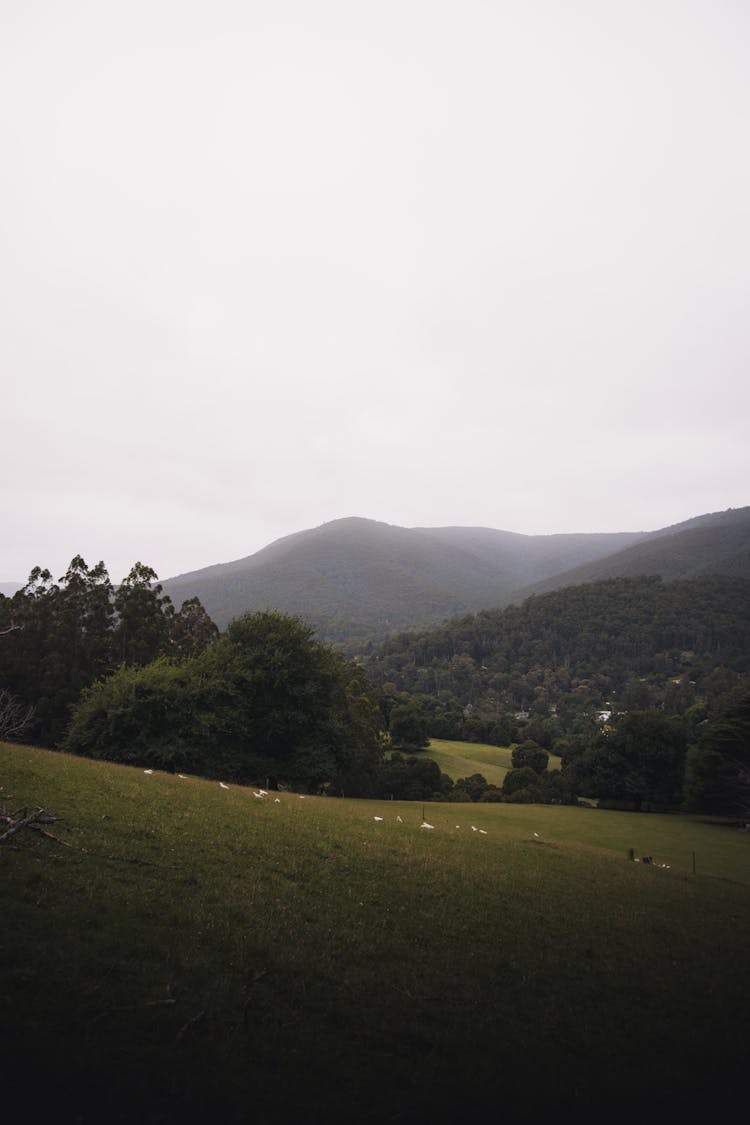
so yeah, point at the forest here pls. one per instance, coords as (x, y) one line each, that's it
(639, 686)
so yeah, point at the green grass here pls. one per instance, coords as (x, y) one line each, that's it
(314, 964)
(462, 759)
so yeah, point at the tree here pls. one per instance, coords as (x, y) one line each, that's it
(473, 786)
(408, 728)
(521, 785)
(191, 630)
(717, 775)
(267, 700)
(57, 638)
(143, 615)
(530, 754)
(410, 779)
(641, 760)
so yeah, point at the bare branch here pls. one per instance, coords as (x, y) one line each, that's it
(15, 717)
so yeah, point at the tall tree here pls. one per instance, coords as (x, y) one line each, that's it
(191, 630)
(143, 617)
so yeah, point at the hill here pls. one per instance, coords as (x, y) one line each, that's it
(712, 544)
(357, 580)
(190, 952)
(621, 642)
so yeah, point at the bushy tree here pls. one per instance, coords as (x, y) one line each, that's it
(410, 779)
(408, 727)
(717, 775)
(641, 760)
(530, 754)
(473, 786)
(150, 716)
(521, 785)
(266, 701)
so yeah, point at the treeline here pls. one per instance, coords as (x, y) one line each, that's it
(58, 637)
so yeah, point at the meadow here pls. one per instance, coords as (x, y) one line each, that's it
(199, 950)
(462, 759)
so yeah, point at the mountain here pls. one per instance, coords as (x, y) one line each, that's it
(8, 589)
(357, 580)
(714, 544)
(357, 577)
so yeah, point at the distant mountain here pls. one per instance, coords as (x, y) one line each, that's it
(715, 544)
(8, 589)
(356, 579)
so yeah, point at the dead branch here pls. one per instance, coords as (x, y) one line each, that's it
(34, 821)
(23, 822)
(14, 716)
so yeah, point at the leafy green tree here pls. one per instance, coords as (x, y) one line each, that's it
(356, 733)
(641, 760)
(284, 683)
(408, 727)
(521, 784)
(530, 754)
(143, 617)
(557, 788)
(148, 715)
(410, 779)
(266, 701)
(717, 776)
(473, 786)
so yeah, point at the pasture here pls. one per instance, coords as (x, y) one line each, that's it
(214, 952)
(462, 759)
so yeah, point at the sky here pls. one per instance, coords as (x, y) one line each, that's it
(432, 262)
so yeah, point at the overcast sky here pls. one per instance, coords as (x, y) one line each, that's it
(267, 264)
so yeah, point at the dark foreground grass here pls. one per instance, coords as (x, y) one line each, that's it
(303, 962)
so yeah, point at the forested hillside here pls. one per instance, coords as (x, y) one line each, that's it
(711, 544)
(357, 581)
(649, 640)
(639, 685)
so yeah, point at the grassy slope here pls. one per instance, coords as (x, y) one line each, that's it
(462, 759)
(319, 960)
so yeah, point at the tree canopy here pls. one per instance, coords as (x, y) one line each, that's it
(56, 638)
(266, 702)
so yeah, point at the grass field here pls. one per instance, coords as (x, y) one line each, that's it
(215, 954)
(462, 759)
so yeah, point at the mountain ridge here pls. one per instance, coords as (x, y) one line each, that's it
(357, 579)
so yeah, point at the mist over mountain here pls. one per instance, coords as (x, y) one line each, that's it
(358, 580)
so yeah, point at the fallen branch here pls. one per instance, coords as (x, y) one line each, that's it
(22, 822)
(34, 821)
